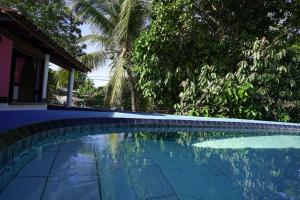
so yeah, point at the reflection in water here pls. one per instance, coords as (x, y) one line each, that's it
(254, 142)
(179, 165)
(232, 173)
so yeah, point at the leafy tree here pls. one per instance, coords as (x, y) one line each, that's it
(115, 25)
(62, 78)
(54, 18)
(264, 87)
(221, 58)
(51, 84)
(160, 62)
(91, 96)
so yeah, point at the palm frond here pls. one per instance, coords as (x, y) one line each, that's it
(94, 12)
(132, 19)
(121, 29)
(62, 77)
(115, 85)
(96, 40)
(94, 60)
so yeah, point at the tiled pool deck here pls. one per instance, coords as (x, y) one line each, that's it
(15, 119)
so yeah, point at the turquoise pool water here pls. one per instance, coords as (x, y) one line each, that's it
(165, 166)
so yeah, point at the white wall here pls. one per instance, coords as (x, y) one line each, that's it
(5, 106)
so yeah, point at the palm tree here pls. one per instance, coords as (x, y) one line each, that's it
(115, 24)
(62, 77)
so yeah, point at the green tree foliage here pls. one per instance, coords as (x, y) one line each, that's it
(157, 56)
(62, 78)
(88, 95)
(264, 87)
(221, 58)
(51, 84)
(54, 18)
(91, 96)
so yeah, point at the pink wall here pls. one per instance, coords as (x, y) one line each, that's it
(6, 46)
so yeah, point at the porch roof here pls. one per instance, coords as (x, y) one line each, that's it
(13, 22)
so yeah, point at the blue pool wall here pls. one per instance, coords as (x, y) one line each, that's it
(15, 119)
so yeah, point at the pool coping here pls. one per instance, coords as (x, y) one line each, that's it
(10, 120)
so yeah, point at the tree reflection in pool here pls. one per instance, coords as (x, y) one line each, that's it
(163, 166)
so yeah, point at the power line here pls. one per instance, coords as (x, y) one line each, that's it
(98, 76)
(99, 79)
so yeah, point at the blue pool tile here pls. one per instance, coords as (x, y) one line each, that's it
(182, 197)
(160, 154)
(204, 187)
(163, 160)
(115, 184)
(51, 148)
(190, 166)
(179, 183)
(5, 176)
(25, 188)
(106, 159)
(171, 197)
(186, 161)
(217, 165)
(149, 182)
(81, 145)
(72, 188)
(39, 166)
(74, 163)
(120, 156)
(279, 196)
(226, 187)
(135, 158)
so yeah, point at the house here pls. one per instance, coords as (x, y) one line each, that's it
(25, 53)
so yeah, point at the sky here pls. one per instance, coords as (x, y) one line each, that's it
(99, 76)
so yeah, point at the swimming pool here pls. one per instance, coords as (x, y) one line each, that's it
(173, 163)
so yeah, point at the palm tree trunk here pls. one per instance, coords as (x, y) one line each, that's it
(132, 90)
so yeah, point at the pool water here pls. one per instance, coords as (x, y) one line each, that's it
(162, 166)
